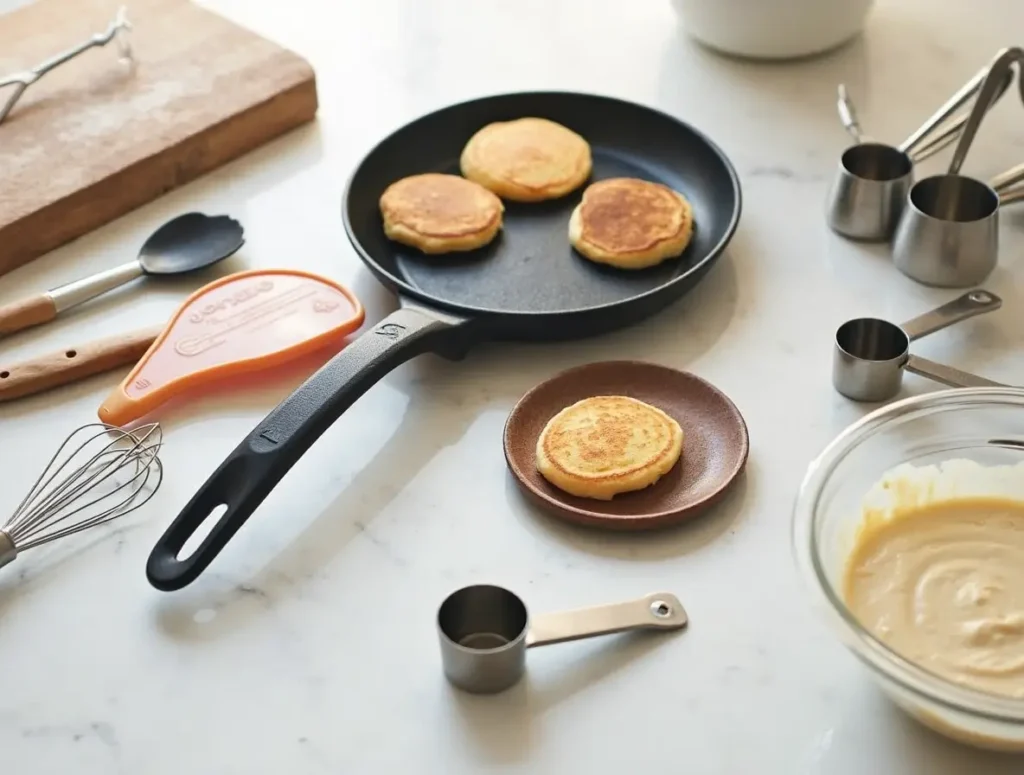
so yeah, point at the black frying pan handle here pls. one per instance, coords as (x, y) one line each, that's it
(251, 471)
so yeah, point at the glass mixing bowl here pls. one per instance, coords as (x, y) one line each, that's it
(985, 425)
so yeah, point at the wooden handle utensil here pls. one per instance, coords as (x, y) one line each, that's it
(26, 313)
(73, 364)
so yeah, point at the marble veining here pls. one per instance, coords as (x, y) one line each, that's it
(310, 645)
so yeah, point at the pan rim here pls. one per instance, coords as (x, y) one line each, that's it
(403, 288)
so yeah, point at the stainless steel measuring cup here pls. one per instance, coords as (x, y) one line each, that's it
(871, 354)
(485, 631)
(948, 233)
(871, 185)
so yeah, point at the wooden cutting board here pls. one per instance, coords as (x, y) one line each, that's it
(94, 139)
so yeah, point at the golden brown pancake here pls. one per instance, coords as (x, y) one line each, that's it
(606, 445)
(440, 213)
(631, 223)
(527, 160)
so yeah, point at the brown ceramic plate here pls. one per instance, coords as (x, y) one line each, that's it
(715, 444)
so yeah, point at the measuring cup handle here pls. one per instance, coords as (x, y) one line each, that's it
(1008, 180)
(848, 114)
(923, 144)
(967, 306)
(998, 70)
(947, 375)
(251, 471)
(659, 611)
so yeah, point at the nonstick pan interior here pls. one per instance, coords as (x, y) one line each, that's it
(531, 267)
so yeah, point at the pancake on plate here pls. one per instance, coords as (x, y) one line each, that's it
(631, 223)
(606, 445)
(440, 213)
(527, 160)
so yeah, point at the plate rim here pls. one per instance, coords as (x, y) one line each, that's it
(649, 521)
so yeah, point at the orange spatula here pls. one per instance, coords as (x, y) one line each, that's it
(242, 323)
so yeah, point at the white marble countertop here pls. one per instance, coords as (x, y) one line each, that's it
(309, 645)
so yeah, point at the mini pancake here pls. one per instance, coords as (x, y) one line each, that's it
(440, 213)
(631, 223)
(605, 445)
(527, 160)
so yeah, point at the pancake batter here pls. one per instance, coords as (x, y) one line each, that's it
(942, 584)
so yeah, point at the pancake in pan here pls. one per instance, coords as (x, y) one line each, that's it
(605, 445)
(440, 213)
(631, 223)
(527, 160)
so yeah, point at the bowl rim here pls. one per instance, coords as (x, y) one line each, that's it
(908, 675)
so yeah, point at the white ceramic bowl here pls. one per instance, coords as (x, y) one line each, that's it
(773, 29)
(922, 431)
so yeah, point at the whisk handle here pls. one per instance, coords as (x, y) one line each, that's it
(254, 468)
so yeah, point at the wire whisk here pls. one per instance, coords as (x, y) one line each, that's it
(100, 472)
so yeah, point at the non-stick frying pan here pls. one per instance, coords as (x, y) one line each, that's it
(527, 285)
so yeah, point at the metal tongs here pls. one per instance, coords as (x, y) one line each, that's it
(21, 81)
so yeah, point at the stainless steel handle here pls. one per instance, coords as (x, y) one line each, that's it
(71, 295)
(967, 306)
(1008, 185)
(998, 70)
(1008, 179)
(922, 144)
(1011, 197)
(8, 551)
(945, 138)
(23, 80)
(848, 116)
(660, 611)
(947, 375)
(19, 88)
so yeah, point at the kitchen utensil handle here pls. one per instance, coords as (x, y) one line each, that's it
(973, 303)
(1011, 197)
(659, 611)
(997, 72)
(848, 115)
(947, 375)
(1007, 185)
(99, 39)
(923, 144)
(73, 364)
(26, 313)
(13, 97)
(72, 294)
(251, 471)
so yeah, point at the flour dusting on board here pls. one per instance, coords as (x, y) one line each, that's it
(99, 120)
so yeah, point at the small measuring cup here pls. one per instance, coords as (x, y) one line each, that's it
(871, 185)
(948, 234)
(871, 354)
(485, 631)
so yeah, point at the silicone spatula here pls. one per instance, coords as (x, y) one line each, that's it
(239, 324)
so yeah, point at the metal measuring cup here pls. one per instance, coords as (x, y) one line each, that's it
(871, 185)
(948, 234)
(870, 354)
(485, 631)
